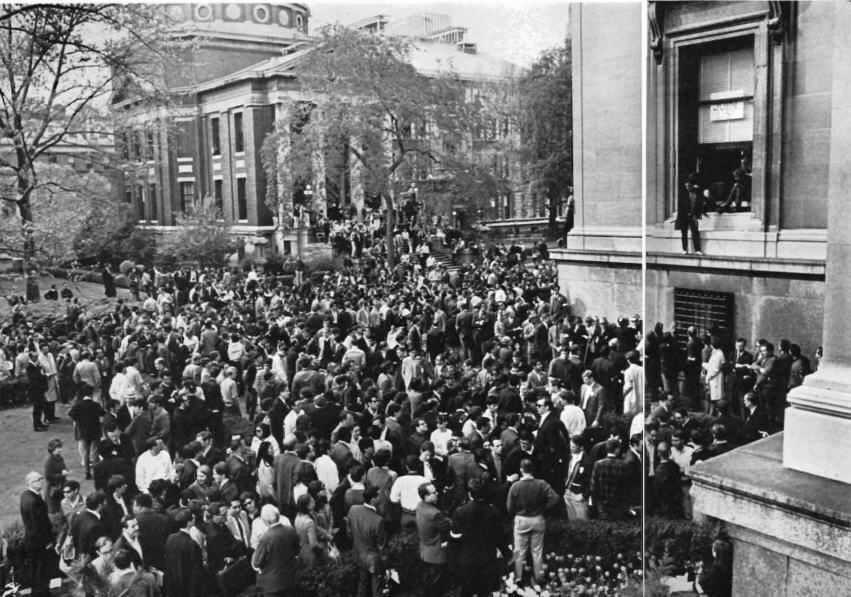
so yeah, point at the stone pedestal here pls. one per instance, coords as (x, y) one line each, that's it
(791, 530)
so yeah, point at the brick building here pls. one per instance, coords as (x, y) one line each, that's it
(242, 86)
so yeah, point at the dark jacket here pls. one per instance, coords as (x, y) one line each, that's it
(366, 528)
(274, 557)
(184, 567)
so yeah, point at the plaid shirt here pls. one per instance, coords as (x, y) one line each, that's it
(609, 484)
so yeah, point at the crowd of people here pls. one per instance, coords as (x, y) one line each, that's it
(241, 424)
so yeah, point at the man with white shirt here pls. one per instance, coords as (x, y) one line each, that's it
(681, 454)
(405, 490)
(440, 437)
(572, 416)
(154, 463)
(326, 468)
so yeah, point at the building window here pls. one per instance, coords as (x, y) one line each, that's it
(238, 138)
(150, 143)
(241, 200)
(185, 139)
(187, 194)
(717, 118)
(142, 207)
(152, 197)
(218, 194)
(215, 139)
(137, 145)
(128, 196)
(709, 312)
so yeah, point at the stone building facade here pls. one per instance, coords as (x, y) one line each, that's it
(747, 87)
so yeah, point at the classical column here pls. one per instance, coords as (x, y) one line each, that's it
(817, 437)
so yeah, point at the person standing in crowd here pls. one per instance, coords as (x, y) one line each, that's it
(476, 530)
(184, 574)
(275, 558)
(528, 501)
(433, 527)
(38, 534)
(366, 528)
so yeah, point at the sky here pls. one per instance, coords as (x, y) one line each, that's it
(515, 31)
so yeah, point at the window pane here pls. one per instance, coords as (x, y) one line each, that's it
(241, 200)
(214, 136)
(238, 142)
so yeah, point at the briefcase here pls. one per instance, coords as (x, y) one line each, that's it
(237, 576)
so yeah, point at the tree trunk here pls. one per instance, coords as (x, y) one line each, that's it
(33, 293)
(388, 230)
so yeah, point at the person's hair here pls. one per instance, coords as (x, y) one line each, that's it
(663, 450)
(381, 458)
(527, 467)
(101, 542)
(151, 442)
(71, 485)
(719, 432)
(53, 444)
(122, 560)
(369, 494)
(423, 490)
(356, 473)
(95, 499)
(612, 445)
(220, 468)
(115, 481)
(344, 434)
(143, 500)
(475, 486)
(412, 462)
(183, 518)
(303, 504)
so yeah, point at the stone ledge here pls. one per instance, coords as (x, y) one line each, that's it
(749, 265)
(749, 487)
(585, 256)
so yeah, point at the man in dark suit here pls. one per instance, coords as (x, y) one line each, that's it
(366, 527)
(592, 399)
(476, 528)
(720, 443)
(285, 467)
(86, 528)
(38, 534)
(154, 529)
(461, 467)
(742, 379)
(756, 419)
(275, 556)
(128, 540)
(668, 485)
(117, 506)
(433, 527)
(552, 445)
(184, 564)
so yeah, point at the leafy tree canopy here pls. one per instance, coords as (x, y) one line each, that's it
(546, 125)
